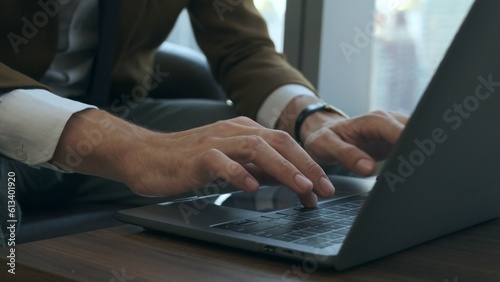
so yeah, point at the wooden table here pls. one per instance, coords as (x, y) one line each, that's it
(127, 253)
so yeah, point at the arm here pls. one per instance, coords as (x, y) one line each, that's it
(238, 151)
(95, 142)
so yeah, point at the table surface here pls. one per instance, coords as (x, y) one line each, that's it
(128, 253)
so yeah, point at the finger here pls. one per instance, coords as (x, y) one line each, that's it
(215, 162)
(289, 149)
(375, 126)
(309, 200)
(399, 117)
(344, 137)
(285, 146)
(260, 175)
(254, 149)
(329, 147)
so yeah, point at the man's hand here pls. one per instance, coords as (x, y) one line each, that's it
(356, 143)
(158, 164)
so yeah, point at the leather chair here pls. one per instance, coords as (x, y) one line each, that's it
(190, 77)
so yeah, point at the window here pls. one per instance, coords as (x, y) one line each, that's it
(381, 54)
(273, 12)
(410, 40)
(396, 45)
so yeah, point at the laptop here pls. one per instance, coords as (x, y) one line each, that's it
(441, 177)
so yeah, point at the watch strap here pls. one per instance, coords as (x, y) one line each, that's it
(309, 110)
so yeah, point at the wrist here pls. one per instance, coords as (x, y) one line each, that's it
(311, 123)
(292, 110)
(97, 143)
(315, 117)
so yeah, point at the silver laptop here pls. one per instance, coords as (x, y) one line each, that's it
(441, 177)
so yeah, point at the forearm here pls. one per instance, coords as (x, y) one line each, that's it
(98, 143)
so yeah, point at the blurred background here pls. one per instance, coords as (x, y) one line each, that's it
(361, 55)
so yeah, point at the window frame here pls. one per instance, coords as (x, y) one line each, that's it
(341, 80)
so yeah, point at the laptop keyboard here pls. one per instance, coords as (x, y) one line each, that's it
(320, 227)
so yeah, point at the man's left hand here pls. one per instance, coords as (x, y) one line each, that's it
(356, 143)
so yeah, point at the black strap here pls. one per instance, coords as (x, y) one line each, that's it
(98, 93)
(311, 109)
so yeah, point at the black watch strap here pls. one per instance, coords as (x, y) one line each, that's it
(309, 111)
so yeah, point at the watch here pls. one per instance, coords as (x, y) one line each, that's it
(322, 106)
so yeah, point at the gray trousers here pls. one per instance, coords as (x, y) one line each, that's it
(40, 187)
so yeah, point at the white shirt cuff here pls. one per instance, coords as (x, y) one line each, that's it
(31, 123)
(274, 105)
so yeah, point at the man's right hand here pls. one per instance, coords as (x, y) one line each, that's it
(239, 151)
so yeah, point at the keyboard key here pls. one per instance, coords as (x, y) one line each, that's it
(293, 227)
(349, 212)
(335, 225)
(308, 223)
(347, 221)
(343, 231)
(302, 234)
(351, 205)
(337, 208)
(289, 212)
(323, 212)
(331, 236)
(282, 221)
(297, 218)
(323, 220)
(318, 229)
(309, 216)
(334, 216)
(268, 233)
(301, 225)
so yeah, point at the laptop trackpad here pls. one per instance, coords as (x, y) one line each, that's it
(237, 205)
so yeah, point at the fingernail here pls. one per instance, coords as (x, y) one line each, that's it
(326, 186)
(251, 184)
(302, 182)
(364, 166)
